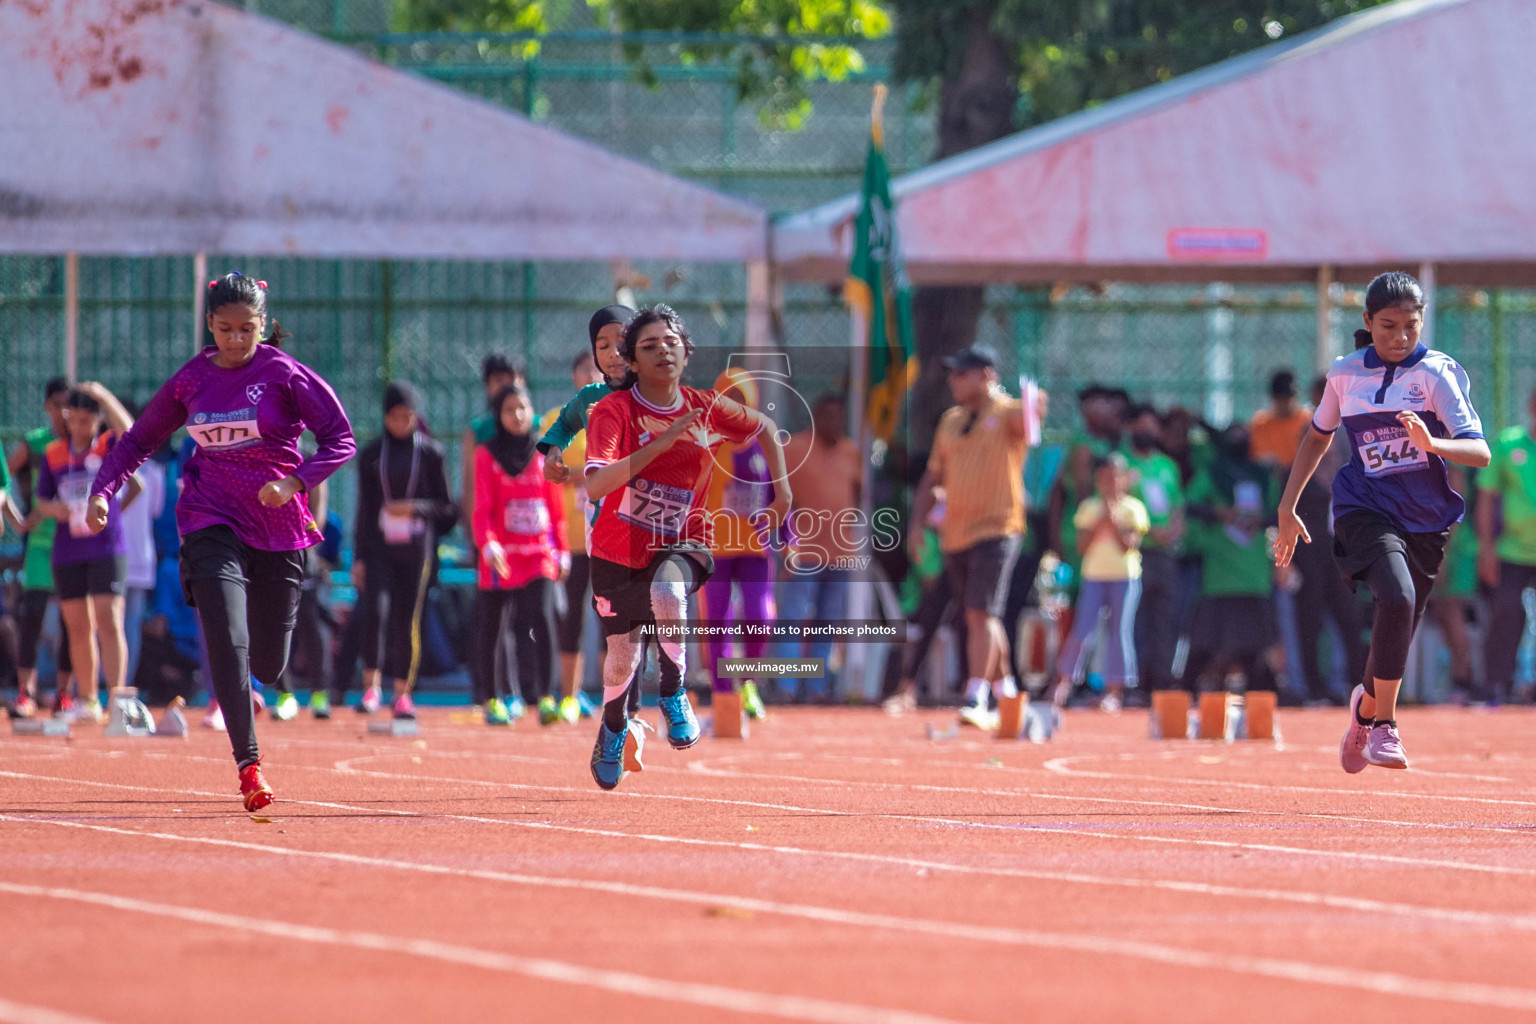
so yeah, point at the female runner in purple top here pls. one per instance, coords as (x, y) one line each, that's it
(243, 515)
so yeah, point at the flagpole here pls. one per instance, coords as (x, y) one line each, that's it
(856, 660)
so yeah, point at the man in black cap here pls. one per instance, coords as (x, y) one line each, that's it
(403, 507)
(977, 463)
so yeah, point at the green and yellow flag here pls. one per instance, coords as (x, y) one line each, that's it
(877, 286)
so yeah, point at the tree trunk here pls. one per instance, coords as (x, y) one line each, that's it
(975, 107)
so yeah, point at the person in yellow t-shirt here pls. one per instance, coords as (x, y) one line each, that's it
(1110, 528)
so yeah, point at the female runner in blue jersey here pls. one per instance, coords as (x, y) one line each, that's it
(1407, 412)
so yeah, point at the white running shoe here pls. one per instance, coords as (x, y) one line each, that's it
(979, 716)
(1385, 748)
(1352, 747)
(214, 719)
(287, 707)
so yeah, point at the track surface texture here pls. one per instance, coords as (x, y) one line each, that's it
(837, 866)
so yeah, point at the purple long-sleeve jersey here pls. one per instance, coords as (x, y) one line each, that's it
(246, 423)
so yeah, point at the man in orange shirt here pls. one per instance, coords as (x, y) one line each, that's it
(825, 473)
(1275, 433)
(978, 461)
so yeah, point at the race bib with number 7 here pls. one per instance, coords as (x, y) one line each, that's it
(658, 508)
(1389, 451)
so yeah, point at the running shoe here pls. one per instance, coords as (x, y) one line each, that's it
(253, 788)
(404, 706)
(373, 699)
(90, 712)
(752, 701)
(900, 703)
(587, 705)
(682, 725)
(516, 708)
(608, 757)
(287, 708)
(634, 744)
(978, 716)
(1110, 705)
(549, 711)
(496, 712)
(1352, 747)
(320, 704)
(1384, 748)
(570, 711)
(214, 719)
(23, 707)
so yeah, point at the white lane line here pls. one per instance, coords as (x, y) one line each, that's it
(701, 768)
(20, 1013)
(710, 769)
(718, 997)
(1380, 982)
(1295, 896)
(1062, 766)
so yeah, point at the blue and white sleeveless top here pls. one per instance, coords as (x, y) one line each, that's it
(1387, 474)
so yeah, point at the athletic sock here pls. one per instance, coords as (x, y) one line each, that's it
(616, 715)
(1385, 721)
(1361, 719)
(1005, 687)
(975, 690)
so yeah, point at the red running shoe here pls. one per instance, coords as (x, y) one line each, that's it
(254, 788)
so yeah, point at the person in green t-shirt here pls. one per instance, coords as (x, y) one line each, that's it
(1455, 591)
(37, 562)
(1230, 505)
(1157, 485)
(1506, 558)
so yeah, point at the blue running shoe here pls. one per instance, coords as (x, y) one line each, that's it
(516, 708)
(587, 705)
(608, 757)
(682, 726)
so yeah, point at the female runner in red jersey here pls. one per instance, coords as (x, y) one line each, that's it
(650, 454)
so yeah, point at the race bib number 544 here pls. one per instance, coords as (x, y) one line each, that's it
(657, 508)
(1390, 451)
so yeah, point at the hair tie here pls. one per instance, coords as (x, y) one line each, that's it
(213, 284)
(262, 285)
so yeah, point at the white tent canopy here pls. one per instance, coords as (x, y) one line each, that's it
(180, 126)
(1401, 136)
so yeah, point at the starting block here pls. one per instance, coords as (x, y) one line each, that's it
(1040, 721)
(1170, 714)
(1260, 715)
(40, 727)
(727, 721)
(129, 716)
(1213, 715)
(395, 727)
(1011, 712)
(174, 722)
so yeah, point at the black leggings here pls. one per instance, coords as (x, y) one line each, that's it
(578, 596)
(247, 600)
(1401, 595)
(407, 577)
(360, 637)
(34, 610)
(526, 615)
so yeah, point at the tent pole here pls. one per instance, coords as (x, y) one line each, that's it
(856, 653)
(71, 314)
(199, 299)
(1427, 282)
(1324, 317)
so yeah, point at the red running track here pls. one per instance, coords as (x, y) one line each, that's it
(838, 866)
